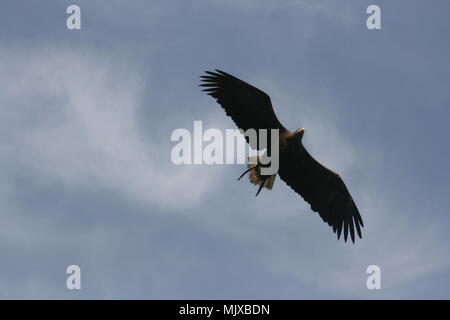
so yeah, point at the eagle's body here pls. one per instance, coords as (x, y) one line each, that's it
(323, 189)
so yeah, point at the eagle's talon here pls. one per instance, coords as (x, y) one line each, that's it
(248, 170)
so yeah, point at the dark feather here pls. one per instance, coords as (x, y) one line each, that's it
(248, 107)
(322, 188)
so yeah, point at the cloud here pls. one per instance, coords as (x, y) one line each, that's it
(73, 118)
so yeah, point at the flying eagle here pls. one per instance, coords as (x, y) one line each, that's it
(323, 189)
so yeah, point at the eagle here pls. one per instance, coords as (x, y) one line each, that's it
(324, 190)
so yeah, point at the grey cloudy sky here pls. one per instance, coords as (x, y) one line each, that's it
(86, 177)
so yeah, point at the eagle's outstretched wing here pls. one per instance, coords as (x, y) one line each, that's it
(323, 189)
(249, 107)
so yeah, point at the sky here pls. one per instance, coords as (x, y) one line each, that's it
(86, 176)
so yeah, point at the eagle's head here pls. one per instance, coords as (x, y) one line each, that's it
(298, 134)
